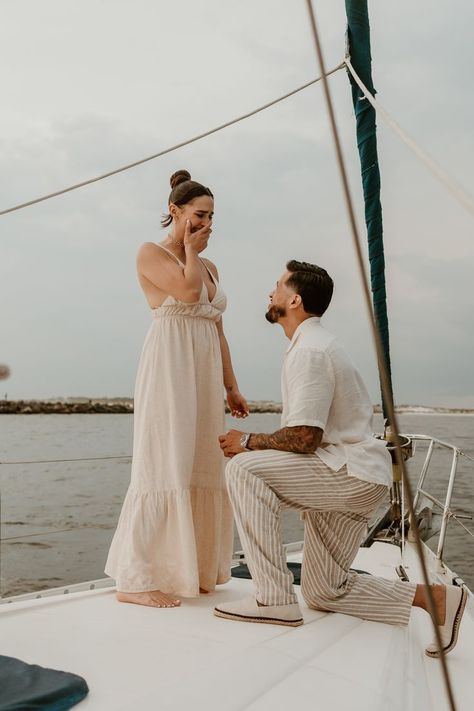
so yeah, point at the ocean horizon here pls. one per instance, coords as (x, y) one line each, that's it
(119, 405)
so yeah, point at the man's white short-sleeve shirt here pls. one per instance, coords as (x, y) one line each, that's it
(322, 388)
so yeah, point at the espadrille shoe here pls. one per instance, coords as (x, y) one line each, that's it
(456, 599)
(247, 610)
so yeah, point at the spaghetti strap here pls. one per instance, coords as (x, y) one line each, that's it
(209, 271)
(170, 253)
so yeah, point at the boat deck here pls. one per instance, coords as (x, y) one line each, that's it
(135, 657)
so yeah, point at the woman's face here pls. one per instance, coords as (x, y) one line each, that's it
(199, 211)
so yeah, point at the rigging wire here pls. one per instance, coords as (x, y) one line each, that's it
(121, 456)
(403, 517)
(43, 533)
(449, 183)
(454, 516)
(54, 461)
(181, 144)
(381, 362)
(454, 187)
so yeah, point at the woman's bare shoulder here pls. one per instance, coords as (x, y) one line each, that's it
(148, 248)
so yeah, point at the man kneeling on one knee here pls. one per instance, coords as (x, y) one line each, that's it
(324, 462)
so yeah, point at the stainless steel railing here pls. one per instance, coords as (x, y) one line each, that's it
(445, 506)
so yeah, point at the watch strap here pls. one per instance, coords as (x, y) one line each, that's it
(244, 440)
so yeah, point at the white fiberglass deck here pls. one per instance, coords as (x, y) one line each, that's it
(136, 658)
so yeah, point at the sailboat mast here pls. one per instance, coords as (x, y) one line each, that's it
(358, 48)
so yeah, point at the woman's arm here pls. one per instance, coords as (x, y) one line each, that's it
(163, 272)
(237, 403)
(230, 381)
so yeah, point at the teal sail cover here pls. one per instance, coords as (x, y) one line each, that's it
(358, 44)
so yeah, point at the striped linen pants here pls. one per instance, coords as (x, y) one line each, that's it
(335, 509)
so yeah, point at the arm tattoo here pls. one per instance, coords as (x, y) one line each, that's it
(302, 439)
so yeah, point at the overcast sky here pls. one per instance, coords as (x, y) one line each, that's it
(90, 85)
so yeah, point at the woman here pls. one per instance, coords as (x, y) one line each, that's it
(174, 536)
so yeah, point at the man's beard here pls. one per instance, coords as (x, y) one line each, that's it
(274, 313)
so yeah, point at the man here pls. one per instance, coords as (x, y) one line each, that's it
(324, 462)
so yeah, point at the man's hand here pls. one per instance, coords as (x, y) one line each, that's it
(230, 443)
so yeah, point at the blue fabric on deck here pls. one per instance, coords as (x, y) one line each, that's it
(25, 687)
(242, 571)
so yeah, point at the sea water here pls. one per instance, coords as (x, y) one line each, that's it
(58, 518)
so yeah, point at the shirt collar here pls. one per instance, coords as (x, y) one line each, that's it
(304, 325)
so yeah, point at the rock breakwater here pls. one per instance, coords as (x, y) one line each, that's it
(84, 406)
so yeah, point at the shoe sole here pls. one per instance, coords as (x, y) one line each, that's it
(456, 626)
(262, 620)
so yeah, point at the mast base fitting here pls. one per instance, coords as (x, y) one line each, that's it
(406, 447)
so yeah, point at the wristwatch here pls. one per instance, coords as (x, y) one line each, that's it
(244, 440)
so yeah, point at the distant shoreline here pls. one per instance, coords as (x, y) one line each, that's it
(71, 406)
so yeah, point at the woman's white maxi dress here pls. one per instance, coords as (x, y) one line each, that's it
(175, 530)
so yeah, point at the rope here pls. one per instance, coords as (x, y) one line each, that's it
(54, 461)
(449, 183)
(453, 515)
(378, 346)
(171, 148)
(42, 533)
(403, 518)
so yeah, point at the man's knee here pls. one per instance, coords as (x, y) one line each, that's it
(235, 466)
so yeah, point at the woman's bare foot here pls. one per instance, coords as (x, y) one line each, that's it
(152, 598)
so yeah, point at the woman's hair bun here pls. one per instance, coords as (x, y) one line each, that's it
(179, 177)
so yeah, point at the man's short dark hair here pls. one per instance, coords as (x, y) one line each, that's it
(313, 284)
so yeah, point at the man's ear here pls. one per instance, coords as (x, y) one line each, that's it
(295, 302)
